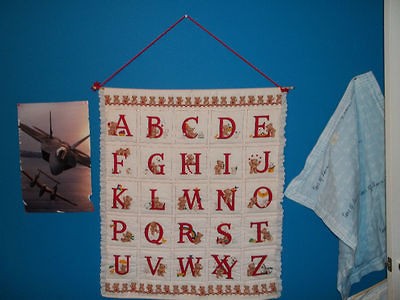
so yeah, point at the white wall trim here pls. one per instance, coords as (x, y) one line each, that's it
(392, 134)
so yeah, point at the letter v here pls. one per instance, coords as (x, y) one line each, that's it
(153, 270)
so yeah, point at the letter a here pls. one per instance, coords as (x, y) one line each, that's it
(124, 126)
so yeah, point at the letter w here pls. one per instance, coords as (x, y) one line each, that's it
(189, 263)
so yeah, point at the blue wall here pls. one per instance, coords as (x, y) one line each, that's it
(55, 50)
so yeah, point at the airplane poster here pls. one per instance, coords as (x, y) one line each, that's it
(55, 156)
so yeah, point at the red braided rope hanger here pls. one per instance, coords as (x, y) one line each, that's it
(97, 85)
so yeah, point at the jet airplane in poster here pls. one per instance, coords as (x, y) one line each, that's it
(60, 155)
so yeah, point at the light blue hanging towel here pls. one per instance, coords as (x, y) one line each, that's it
(343, 181)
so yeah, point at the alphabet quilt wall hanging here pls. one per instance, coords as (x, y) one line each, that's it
(191, 193)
